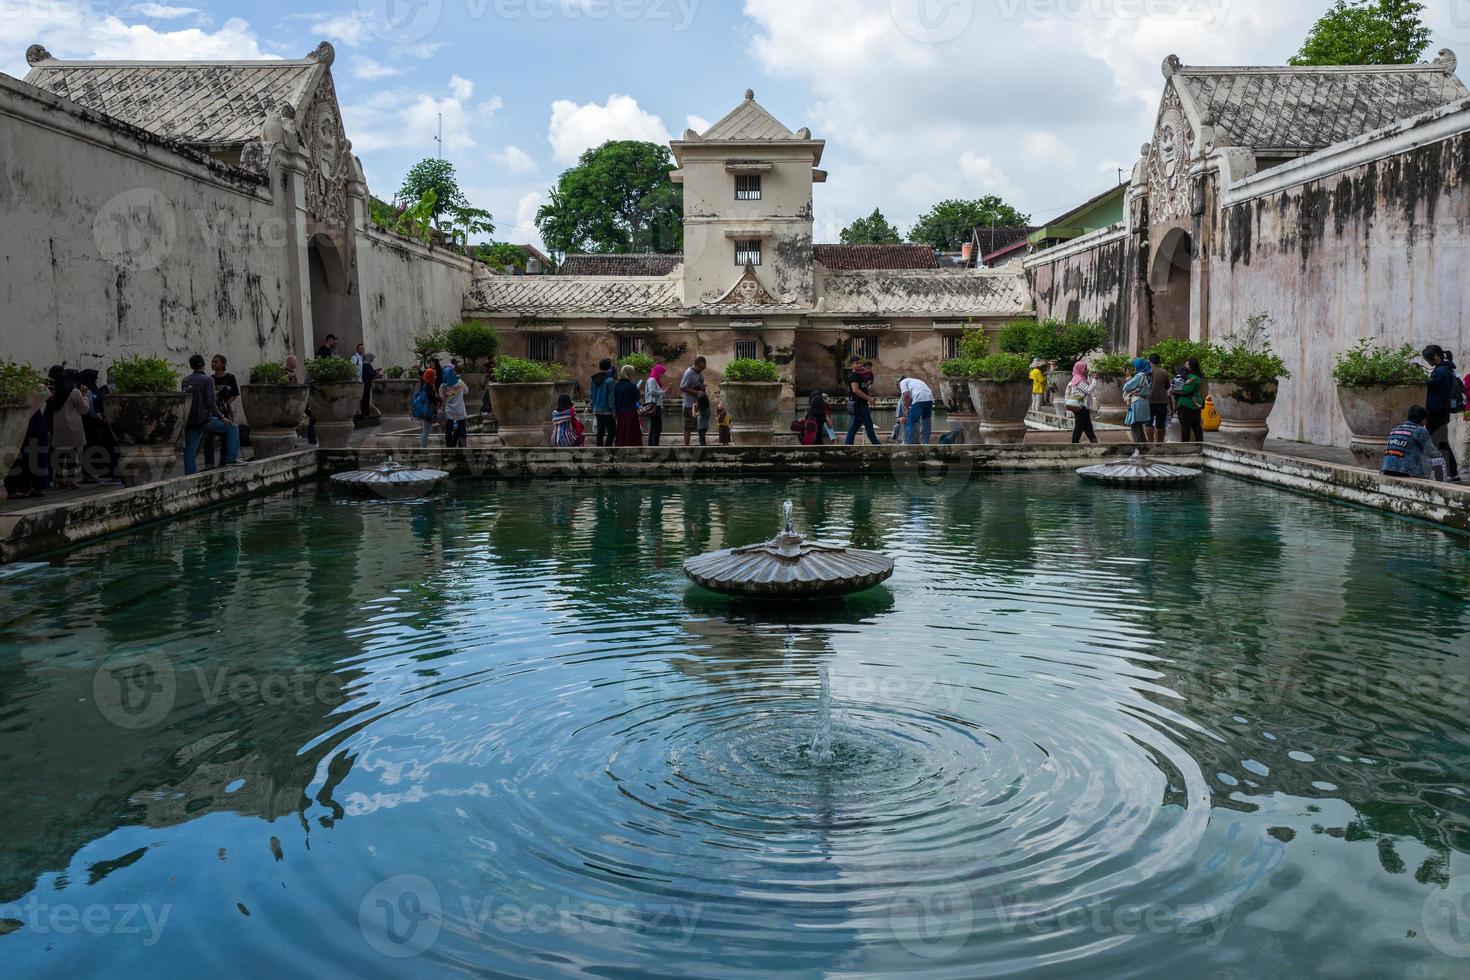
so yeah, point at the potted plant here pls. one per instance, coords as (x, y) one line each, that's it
(19, 386)
(524, 393)
(147, 412)
(393, 393)
(336, 395)
(1111, 371)
(954, 385)
(752, 391)
(1174, 354)
(474, 345)
(1000, 390)
(1064, 344)
(1376, 386)
(561, 379)
(1247, 375)
(274, 406)
(427, 347)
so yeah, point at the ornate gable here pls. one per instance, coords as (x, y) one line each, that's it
(747, 291)
(1170, 160)
(329, 158)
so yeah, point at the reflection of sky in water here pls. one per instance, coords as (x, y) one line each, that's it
(1070, 707)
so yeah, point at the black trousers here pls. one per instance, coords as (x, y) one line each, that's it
(1082, 426)
(1191, 425)
(1439, 431)
(655, 427)
(607, 429)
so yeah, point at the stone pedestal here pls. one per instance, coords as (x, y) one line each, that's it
(524, 413)
(1371, 414)
(141, 465)
(1244, 409)
(265, 443)
(14, 420)
(334, 406)
(148, 429)
(1002, 409)
(1111, 408)
(1056, 391)
(753, 408)
(394, 399)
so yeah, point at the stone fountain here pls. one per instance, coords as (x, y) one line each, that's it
(1139, 471)
(390, 480)
(789, 568)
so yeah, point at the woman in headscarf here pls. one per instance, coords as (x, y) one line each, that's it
(625, 409)
(456, 416)
(68, 434)
(653, 403)
(1080, 401)
(566, 430)
(1191, 402)
(818, 423)
(1135, 393)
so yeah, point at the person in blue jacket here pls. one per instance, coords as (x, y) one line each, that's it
(603, 384)
(1444, 390)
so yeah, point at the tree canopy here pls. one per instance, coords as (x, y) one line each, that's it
(872, 230)
(449, 206)
(949, 224)
(618, 198)
(1366, 32)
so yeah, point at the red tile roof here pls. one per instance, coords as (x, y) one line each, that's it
(619, 265)
(859, 258)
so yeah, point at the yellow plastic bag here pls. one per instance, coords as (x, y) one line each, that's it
(1211, 415)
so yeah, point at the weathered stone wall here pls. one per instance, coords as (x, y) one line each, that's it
(406, 289)
(1378, 250)
(114, 241)
(1092, 280)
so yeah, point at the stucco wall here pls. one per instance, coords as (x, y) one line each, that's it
(113, 242)
(1090, 281)
(1375, 250)
(406, 289)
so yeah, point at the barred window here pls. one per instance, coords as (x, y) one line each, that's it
(746, 350)
(865, 347)
(951, 346)
(628, 346)
(748, 187)
(748, 253)
(541, 347)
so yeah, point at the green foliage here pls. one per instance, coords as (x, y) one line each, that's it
(1001, 368)
(974, 344)
(1246, 358)
(448, 206)
(18, 382)
(1370, 365)
(558, 372)
(618, 198)
(1112, 366)
(960, 367)
(396, 373)
(519, 371)
(472, 342)
(1017, 337)
(502, 257)
(642, 363)
(1174, 353)
(427, 346)
(330, 371)
(950, 224)
(1367, 32)
(270, 373)
(872, 230)
(1066, 343)
(746, 369)
(142, 376)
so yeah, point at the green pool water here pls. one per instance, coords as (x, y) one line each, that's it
(1214, 732)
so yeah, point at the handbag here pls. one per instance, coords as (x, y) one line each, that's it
(1076, 400)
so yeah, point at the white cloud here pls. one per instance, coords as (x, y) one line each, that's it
(69, 31)
(159, 11)
(350, 28)
(394, 119)
(462, 88)
(369, 70)
(575, 128)
(525, 226)
(698, 123)
(515, 160)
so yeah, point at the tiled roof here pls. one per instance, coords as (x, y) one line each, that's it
(748, 122)
(926, 293)
(552, 296)
(188, 101)
(1303, 109)
(993, 240)
(620, 265)
(845, 258)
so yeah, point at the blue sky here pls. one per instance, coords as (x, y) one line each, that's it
(1041, 101)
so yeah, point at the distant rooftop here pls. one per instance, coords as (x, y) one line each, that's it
(633, 264)
(853, 258)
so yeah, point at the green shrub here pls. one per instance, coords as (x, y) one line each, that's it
(1001, 368)
(396, 373)
(558, 372)
(1174, 353)
(427, 346)
(1067, 343)
(1017, 337)
(472, 342)
(330, 371)
(1370, 365)
(142, 376)
(270, 373)
(745, 369)
(960, 367)
(519, 371)
(1243, 365)
(18, 382)
(1112, 366)
(642, 363)
(974, 344)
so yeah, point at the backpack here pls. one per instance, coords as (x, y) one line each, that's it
(1457, 393)
(421, 407)
(579, 431)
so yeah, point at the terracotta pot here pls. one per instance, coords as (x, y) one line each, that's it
(14, 420)
(334, 406)
(274, 411)
(1002, 407)
(524, 413)
(394, 398)
(1112, 408)
(148, 428)
(955, 393)
(1244, 409)
(1371, 413)
(753, 407)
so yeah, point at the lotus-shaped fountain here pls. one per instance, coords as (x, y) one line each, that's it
(1139, 471)
(390, 480)
(789, 568)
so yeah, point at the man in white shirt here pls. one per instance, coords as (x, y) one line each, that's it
(915, 411)
(357, 361)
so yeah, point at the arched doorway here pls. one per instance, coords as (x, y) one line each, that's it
(334, 306)
(1170, 283)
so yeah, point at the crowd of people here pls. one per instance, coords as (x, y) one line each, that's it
(1152, 395)
(67, 441)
